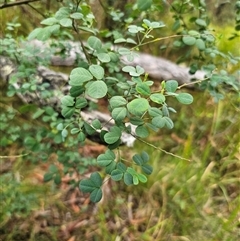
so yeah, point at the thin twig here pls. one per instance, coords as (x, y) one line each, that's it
(12, 4)
(162, 150)
(14, 156)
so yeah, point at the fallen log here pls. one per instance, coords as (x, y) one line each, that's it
(158, 68)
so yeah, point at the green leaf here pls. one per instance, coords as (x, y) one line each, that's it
(144, 4)
(47, 177)
(138, 106)
(106, 158)
(200, 44)
(96, 195)
(143, 89)
(87, 185)
(128, 178)
(201, 22)
(81, 103)
(185, 98)
(119, 113)
(94, 42)
(67, 100)
(97, 71)
(135, 120)
(49, 21)
(171, 85)
(78, 76)
(38, 113)
(154, 112)
(147, 169)
(138, 159)
(97, 89)
(103, 57)
(96, 179)
(66, 22)
(168, 122)
(109, 168)
(81, 137)
(158, 98)
(145, 156)
(122, 167)
(142, 131)
(135, 180)
(189, 40)
(158, 121)
(112, 136)
(75, 91)
(64, 133)
(76, 15)
(96, 124)
(142, 178)
(75, 131)
(35, 33)
(117, 101)
(89, 129)
(67, 112)
(62, 13)
(57, 179)
(116, 175)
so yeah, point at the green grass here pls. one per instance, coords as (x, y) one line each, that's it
(195, 200)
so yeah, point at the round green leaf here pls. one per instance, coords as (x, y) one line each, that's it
(118, 114)
(75, 91)
(147, 169)
(145, 156)
(168, 122)
(76, 15)
(158, 121)
(67, 100)
(144, 4)
(189, 40)
(103, 57)
(78, 76)
(128, 178)
(105, 159)
(142, 178)
(111, 137)
(96, 179)
(66, 22)
(143, 89)
(117, 101)
(154, 112)
(97, 89)
(142, 131)
(137, 159)
(94, 42)
(116, 175)
(74, 131)
(200, 44)
(87, 185)
(158, 98)
(201, 22)
(171, 85)
(185, 98)
(81, 103)
(109, 168)
(49, 21)
(97, 71)
(96, 195)
(67, 112)
(138, 106)
(135, 180)
(81, 137)
(96, 124)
